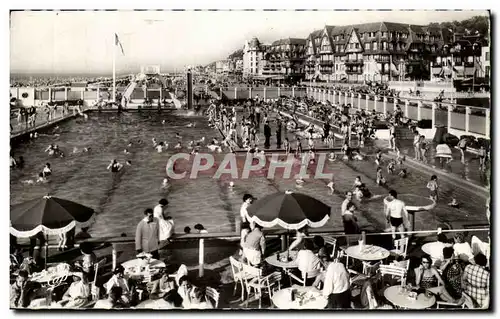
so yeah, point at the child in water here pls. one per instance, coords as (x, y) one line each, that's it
(331, 186)
(178, 145)
(432, 185)
(380, 178)
(378, 158)
(114, 166)
(403, 173)
(391, 166)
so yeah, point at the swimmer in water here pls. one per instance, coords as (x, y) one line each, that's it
(331, 186)
(129, 144)
(190, 145)
(178, 145)
(178, 136)
(154, 141)
(75, 150)
(163, 122)
(50, 149)
(202, 140)
(47, 171)
(159, 147)
(86, 149)
(165, 183)
(35, 135)
(41, 178)
(191, 125)
(114, 166)
(129, 163)
(139, 142)
(125, 151)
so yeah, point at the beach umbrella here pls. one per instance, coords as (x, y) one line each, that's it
(49, 215)
(289, 210)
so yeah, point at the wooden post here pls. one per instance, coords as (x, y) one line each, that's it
(98, 94)
(114, 256)
(201, 259)
(284, 241)
(293, 91)
(367, 98)
(487, 124)
(279, 92)
(434, 106)
(235, 92)
(419, 110)
(65, 93)
(407, 105)
(250, 93)
(375, 98)
(449, 116)
(82, 94)
(467, 118)
(146, 92)
(385, 105)
(264, 93)
(50, 94)
(359, 101)
(220, 92)
(160, 93)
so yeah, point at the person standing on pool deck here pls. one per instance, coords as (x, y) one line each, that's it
(147, 235)
(267, 134)
(396, 214)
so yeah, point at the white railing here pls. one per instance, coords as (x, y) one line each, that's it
(460, 119)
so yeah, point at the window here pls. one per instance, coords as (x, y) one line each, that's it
(375, 46)
(487, 57)
(356, 45)
(367, 46)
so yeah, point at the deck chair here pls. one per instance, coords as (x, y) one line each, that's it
(214, 295)
(465, 302)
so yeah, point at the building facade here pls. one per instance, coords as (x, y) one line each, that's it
(285, 60)
(253, 53)
(380, 52)
(223, 67)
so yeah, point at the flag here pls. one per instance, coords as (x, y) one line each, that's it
(117, 42)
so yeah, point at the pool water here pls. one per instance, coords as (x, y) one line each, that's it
(120, 200)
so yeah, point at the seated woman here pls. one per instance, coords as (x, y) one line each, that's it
(113, 301)
(118, 280)
(462, 249)
(371, 296)
(428, 278)
(77, 294)
(88, 260)
(198, 299)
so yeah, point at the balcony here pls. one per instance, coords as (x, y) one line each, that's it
(354, 71)
(354, 62)
(326, 62)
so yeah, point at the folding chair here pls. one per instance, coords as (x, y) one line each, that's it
(238, 276)
(254, 281)
(333, 242)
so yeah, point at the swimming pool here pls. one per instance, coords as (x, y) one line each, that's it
(120, 200)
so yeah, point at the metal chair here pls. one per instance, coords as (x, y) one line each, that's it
(401, 247)
(254, 281)
(465, 302)
(305, 275)
(394, 271)
(214, 295)
(238, 274)
(333, 242)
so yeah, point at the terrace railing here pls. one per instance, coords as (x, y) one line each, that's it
(459, 119)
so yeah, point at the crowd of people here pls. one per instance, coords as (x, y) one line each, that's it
(453, 272)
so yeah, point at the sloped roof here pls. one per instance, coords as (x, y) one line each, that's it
(290, 41)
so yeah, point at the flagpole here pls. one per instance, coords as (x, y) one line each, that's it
(114, 67)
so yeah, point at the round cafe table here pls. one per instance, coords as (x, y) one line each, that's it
(401, 299)
(367, 253)
(273, 260)
(131, 267)
(305, 298)
(414, 204)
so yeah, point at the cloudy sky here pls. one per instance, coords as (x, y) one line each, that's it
(82, 41)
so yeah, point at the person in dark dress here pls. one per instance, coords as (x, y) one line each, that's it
(278, 134)
(326, 130)
(267, 134)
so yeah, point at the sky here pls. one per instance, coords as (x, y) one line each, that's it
(82, 41)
